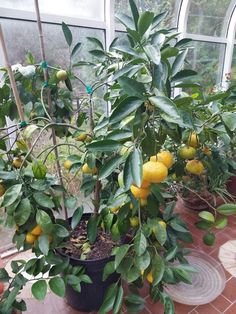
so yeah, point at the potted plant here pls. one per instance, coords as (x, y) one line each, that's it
(132, 235)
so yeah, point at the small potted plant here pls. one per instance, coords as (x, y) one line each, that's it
(132, 235)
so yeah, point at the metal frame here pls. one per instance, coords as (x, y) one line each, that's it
(109, 26)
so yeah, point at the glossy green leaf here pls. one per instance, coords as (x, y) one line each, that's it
(75, 49)
(77, 217)
(22, 212)
(108, 270)
(140, 243)
(11, 195)
(159, 18)
(60, 231)
(43, 243)
(132, 87)
(221, 222)
(109, 299)
(118, 301)
(166, 106)
(183, 74)
(96, 42)
(207, 216)
(67, 33)
(134, 11)
(109, 167)
(144, 22)
(4, 277)
(143, 261)
(153, 53)
(179, 62)
(92, 227)
(127, 173)
(229, 119)
(158, 268)
(120, 254)
(124, 108)
(43, 200)
(57, 286)
(44, 220)
(203, 225)
(137, 166)
(118, 135)
(125, 20)
(39, 289)
(103, 146)
(227, 209)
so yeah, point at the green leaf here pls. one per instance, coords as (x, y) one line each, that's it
(43, 200)
(43, 243)
(170, 254)
(167, 106)
(44, 220)
(57, 286)
(11, 195)
(68, 84)
(103, 146)
(159, 18)
(137, 166)
(169, 306)
(71, 202)
(96, 42)
(120, 254)
(183, 74)
(227, 209)
(134, 11)
(125, 20)
(160, 233)
(140, 243)
(229, 119)
(179, 62)
(124, 108)
(6, 175)
(67, 33)
(39, 289)
(145, 21)
(207, 216)
(108, 270)
(109, 299)
(39, 169)
(169, 52)
(92, 228)
(127, 174)
(132, 87)
(118, 301)
(75, 49)
(203, 225)
(221, 223)
(143, 261)
(77, 217)
(60, 231)
(4, 277)
(119, 135)
(153, 53)
(176, 226)
(109, 167)
(158, 268)
(22, 212)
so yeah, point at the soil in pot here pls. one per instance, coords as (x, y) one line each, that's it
(194, 202)
(93, 258)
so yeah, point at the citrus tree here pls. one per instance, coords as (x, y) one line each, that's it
(125, 160)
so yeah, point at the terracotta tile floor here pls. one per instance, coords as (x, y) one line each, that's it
(225, 303)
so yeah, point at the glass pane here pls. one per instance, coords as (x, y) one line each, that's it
(157, 6)
(233, 67)
(22, 36)
(207, 17)
(122, 38)
(87, 9)
(207, 59)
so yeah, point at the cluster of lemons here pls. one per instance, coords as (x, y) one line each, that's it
(154, 171)
(33, 235)
(188, 152)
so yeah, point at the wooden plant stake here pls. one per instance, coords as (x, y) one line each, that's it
(11, 76)
(46, 77)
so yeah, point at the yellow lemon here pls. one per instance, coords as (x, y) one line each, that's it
(36, 231)
(17, 162)
(149, 277)
(134, 221)
(131, 206)
(2, 189)
(139, 192)
(195, 167)
(162, 223)
(187, 152)
(165, 157)
(30, 238)
(154, 172)
(193, 140)
(61, 75)
(82, 137)
(143, 202)
(87, 170)
(142, 272)
(67, 164)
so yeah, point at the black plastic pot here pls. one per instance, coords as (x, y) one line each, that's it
(91, 296)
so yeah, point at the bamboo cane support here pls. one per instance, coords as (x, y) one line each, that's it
(46, 77)
(11, 76)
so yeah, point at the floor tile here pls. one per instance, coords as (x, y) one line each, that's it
(206, 309)
(230, 290)
(221, 303)
(183, 309)
(231, 309)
